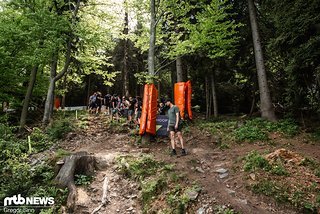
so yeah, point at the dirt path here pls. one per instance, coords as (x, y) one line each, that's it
(200, 165)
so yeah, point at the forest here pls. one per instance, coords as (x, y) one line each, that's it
(254, 67)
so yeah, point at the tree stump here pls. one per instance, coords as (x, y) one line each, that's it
(78, 163)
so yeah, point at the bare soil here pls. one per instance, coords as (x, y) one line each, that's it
(203, 158)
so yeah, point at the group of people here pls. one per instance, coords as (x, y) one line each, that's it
(117, 107)
(131, 108)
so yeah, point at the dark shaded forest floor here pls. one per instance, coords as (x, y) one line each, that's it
(212, 175)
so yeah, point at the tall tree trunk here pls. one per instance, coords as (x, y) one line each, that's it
(210, 99)
(52, 100)
(64, 86)
(151, 55)
(53, 78)
(49, 100)
(152, 43)
(253, 103)
(173, 80)
(214, 96)
(267, 110)
(159, 86)
(179, 67)
(28, 95)
(125, 56)
(207, 97)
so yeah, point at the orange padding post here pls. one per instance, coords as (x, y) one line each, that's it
(149, 110)
(143, 118)
(188, 99)
(179, 97)
(152, 110)
(182, 98)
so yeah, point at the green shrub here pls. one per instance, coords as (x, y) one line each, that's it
(270, 188)
(15, 176)
(151, 188)
(315, 136)
(18, 176)
(82, 180)
(139, 168)
(223, 210)
(288, 127)
(279, 170)
(255, 161)
(6, 131)
(250, 133)
(39, 140)
(60, 153)
(312, 164)
(59, 129)
(257, 129)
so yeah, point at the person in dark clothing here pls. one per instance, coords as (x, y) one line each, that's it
(92, 102)
(137, 110)
(161, 109)
(99, 101)
(132, 103)
(116, 102)
(175, 126)
(107, 101)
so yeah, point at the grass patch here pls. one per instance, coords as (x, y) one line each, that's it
(279, 170)
(152, 187)
(224, 146)
(251, 130)
(272, 189)
(157, 180)
(82, 180)
(60, 153)
(59, 128)
(223, 210)
(299, 192)
(250, 133)
(140, 168)
(40, 141)
(258, 128)
(313, 165)
(315, 136)
(254, 161)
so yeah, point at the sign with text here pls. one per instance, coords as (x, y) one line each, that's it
(162, 124)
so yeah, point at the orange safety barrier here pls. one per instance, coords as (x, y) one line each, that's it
(149, 110)
(179, 97)
(57, 103)
(143, 118)
(188, 99)
(152, 110)
(182, 98)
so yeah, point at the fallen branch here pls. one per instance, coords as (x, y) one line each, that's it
(104, 199)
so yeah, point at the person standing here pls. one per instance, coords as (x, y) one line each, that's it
(99, 101)
(116, 102)
(175, 126)
(132, 103)
(92, 102)
(107, 101)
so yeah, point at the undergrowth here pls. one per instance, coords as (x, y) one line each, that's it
(303, 197)
(19, 175)
(59, 128)
(155, 179)
(249, 130)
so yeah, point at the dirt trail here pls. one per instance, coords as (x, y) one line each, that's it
(200, 165)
